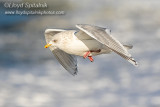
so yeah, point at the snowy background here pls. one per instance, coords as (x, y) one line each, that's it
(30, 75)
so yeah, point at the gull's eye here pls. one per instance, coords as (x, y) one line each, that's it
(54, 41)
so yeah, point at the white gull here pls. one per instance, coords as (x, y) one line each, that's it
(87, 42)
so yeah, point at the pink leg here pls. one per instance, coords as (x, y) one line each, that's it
(90, 58)
(86, 54)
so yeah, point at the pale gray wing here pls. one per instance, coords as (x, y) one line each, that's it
(69, 62)
(103, 36)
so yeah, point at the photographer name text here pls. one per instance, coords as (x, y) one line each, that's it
(25, 5)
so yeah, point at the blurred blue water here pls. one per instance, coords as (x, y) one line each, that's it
(8, 21)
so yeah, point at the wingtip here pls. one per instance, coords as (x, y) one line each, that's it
(132, 61)
(136, 64)
(74, 74)
(73, 71)
(76, 71)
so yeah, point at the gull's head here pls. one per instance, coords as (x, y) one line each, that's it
(53, 42)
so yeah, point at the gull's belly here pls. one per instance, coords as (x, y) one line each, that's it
(78, 47)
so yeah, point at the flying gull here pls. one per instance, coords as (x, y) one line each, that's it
(89, 41)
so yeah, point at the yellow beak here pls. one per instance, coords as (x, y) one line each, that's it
(48, 45)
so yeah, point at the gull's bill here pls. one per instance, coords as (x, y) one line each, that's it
(69, 62)
(103, 36)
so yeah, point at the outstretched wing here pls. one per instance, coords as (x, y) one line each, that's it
(103, 36)
(69, 62)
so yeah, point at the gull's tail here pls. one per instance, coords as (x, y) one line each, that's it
(128, 46)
